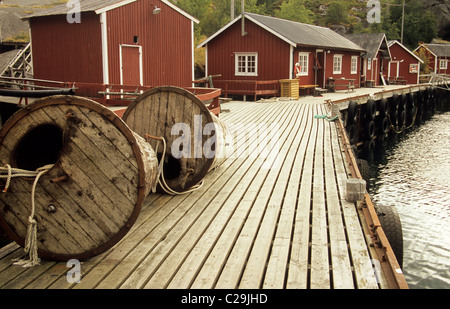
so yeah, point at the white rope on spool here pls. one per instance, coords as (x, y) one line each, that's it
(31, 239)
(161, 178)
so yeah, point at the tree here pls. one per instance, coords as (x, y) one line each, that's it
(196, 8)
(296, 11)
(420, 24)
(337, 14)
(270, 5)
(425, 67)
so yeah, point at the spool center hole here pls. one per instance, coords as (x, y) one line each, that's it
(39, 147)
(172, 167)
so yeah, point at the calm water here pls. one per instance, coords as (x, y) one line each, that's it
(412, 173)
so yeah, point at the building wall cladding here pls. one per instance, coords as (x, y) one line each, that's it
(166, 41)
(327, 65)
(443, 70)
(373, 69)
(434, 61)
(273, 53)
(310, 78)
(346, 66)
(431, 58)
(67, 52)
(405, 60)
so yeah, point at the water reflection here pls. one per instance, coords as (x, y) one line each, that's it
(412, 173)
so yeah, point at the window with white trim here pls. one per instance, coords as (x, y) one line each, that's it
(303, 60)
(337, 64)
(246, 64)
(443, 64)
(354, 65)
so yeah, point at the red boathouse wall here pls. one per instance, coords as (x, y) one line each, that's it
(73, 52)
(273, 53)
(67, 52)
(166, 41)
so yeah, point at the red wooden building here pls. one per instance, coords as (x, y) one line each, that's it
(377, 49)
(261, 48)
(126, 42)
(404, 67)
(438, 56)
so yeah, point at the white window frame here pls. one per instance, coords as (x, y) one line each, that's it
(443, 63)
(337, 64)
(245, 70)
(303, 60)
(354, 65)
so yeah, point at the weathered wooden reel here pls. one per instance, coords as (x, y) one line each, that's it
(196, 139)
(100, 173)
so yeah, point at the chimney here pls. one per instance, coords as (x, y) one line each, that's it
(243, 18)
(232, 9)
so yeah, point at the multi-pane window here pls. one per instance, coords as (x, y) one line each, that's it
(246, 64)
(443, 65)
(303, 60)
(337, 64)
(354, 66)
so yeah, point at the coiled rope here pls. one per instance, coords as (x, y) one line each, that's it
(161, 178)
(31, 238)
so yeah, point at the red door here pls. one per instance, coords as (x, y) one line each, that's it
(131, 65)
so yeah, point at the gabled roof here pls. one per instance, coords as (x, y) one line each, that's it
(391, 43)
(439, 50)
(99, 6)
(372, 43)
(295, 33)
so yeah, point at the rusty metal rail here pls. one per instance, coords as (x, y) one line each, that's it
(389, 264)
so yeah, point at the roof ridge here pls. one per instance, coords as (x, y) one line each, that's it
(287, 20)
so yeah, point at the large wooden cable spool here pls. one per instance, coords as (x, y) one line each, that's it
(101, 172)
(169, 112)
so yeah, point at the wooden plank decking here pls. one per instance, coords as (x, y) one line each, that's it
(273, 215)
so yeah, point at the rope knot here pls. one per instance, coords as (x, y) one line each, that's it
(31, 246)
(32, 221)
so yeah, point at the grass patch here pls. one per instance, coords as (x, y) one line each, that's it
(22, 37)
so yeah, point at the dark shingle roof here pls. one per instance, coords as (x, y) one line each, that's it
(305, 34)
(372, 42)
(296, 33)
(95, 5)
(440, 50)
(85, 6)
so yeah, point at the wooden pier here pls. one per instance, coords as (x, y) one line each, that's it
(272, 216)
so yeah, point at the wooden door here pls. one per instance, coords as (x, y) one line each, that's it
(319, 68)
(131, 65)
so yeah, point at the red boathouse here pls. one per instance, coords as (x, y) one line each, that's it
(125, 42)
(378, 52)
(259, 50)
(438, 56)
(404, 67)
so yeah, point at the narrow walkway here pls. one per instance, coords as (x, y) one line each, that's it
(273, 215)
